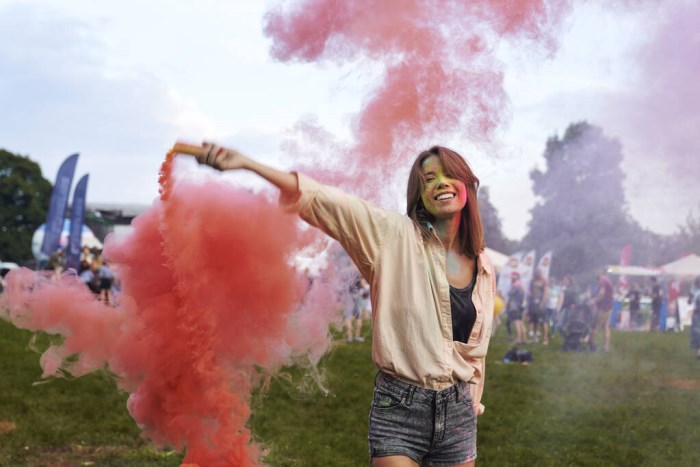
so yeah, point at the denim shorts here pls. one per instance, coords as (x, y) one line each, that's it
(431, 427)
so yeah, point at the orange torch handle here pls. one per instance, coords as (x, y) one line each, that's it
(184, 148)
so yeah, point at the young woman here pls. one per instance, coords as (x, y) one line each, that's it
(432, 291)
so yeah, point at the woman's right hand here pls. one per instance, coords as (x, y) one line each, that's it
(221, 158)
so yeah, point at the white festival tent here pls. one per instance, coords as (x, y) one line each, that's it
(497, 259)
(619, 270)
(687, 266)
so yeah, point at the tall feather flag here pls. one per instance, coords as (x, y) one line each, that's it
(544, 264)
(511, 266)
(77, 216)
(527, 268)
(625, 257)
(58, 204)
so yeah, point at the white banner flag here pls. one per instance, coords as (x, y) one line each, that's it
(544, 264)
(527, 268)
(511, 266)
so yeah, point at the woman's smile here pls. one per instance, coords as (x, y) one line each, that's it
(442, 196)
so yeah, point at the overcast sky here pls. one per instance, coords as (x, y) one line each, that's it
(119, 82)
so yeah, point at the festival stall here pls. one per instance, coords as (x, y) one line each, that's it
(621, 316)
(88, 239)
(686, 268)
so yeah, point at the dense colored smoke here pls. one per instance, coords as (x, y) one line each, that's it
(660, 114)
(653, 112)
(440, 72)
(209, 305)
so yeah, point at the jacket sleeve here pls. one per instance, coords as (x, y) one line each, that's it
(358, 225)
(479, 364)
(477, 389)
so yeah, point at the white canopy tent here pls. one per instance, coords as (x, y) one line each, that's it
(497, 259)
(687, 266)
(619, 270)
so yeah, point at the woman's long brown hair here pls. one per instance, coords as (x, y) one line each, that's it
(471, 231)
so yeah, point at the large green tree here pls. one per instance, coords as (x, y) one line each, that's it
(24, 200)
(581, 214)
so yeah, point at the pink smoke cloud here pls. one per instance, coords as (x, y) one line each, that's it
(661, 109)
(210, 305)
(654, 113)
(441, 75)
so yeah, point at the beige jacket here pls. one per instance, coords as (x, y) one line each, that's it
(412, 321)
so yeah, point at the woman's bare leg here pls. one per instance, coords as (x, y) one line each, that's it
(393, 461)
(467, 464)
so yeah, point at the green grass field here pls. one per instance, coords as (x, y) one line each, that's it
(638, 405)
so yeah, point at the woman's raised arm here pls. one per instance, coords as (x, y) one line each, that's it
(222, 158)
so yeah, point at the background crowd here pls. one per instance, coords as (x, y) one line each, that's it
(585, 316)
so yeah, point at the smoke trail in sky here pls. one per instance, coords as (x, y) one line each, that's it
(209, 306)
(654, 111)
(662, 110)
(441, 75)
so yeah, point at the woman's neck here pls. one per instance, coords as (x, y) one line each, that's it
(447, 231)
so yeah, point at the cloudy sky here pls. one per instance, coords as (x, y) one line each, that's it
(119, 82)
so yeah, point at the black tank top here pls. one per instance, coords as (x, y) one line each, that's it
(463, 310)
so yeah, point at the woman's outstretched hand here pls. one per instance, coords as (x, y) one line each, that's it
(221, 158)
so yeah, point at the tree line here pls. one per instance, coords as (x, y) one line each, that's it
(581, 213)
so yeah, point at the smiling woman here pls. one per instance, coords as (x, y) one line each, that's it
(432, 289)
(442, 171)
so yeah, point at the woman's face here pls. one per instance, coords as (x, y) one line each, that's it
(442, 196)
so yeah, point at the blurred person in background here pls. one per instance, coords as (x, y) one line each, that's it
(499, 305)
(537, 311)
(355, 311)
(106, 278)
(694, 301)
(602, 302)
(656, 303)
(553, 300)
(91, 278)
(56, 263)
(86, 259)
(515, 305)
(569, 299)
(634, 296)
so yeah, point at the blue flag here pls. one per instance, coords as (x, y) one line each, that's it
(58, 204)
(77, 214)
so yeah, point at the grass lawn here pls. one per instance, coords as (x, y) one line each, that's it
(638, 405)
